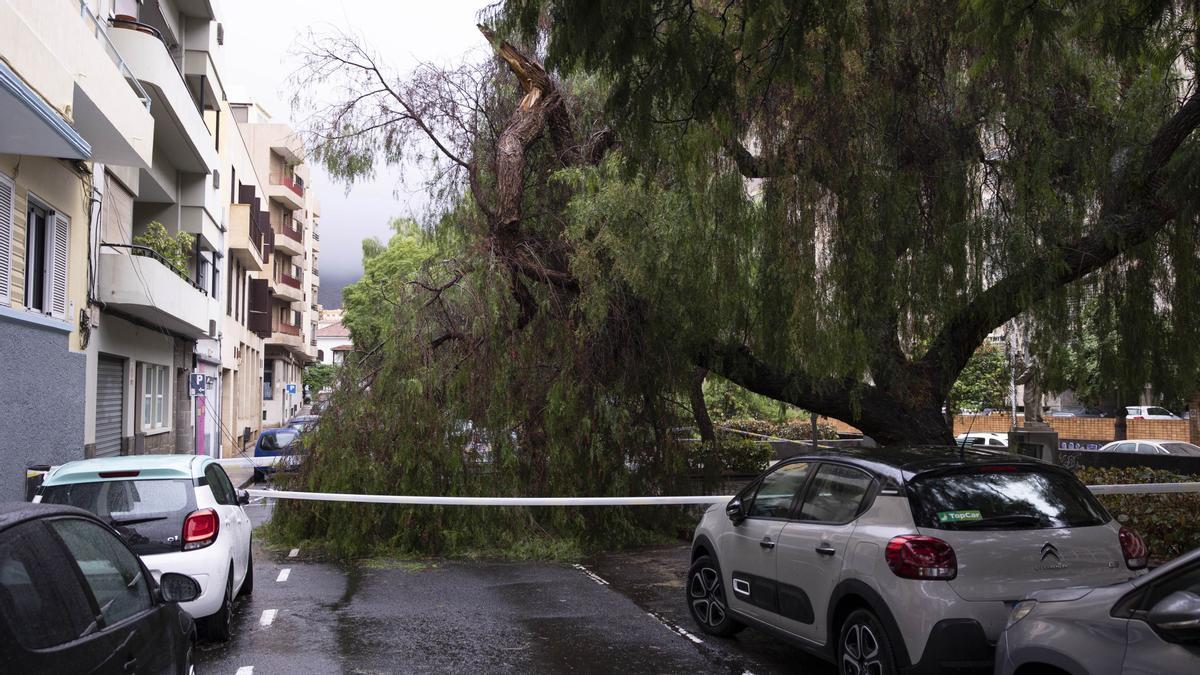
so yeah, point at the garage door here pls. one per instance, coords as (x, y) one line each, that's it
(110, 405)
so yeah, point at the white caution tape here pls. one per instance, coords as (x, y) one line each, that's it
(490, 501)
(1144, 488)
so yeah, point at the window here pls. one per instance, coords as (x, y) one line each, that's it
(110, 570)
(835, 495)
(47, 244)
(1148, 449)
(149, 514)
(156, 398)
(41, 599)
(268, 381)
(219, 483)
(1159, 411)
(1003, 497)
(775, 493)
(1125, 447)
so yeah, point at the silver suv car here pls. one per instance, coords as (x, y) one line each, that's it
(890, 559)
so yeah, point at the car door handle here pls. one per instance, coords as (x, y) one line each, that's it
(826, 550)
(766, 543)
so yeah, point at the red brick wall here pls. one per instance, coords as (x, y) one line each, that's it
(1075, 428)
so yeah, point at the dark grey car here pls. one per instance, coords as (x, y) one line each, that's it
(1150, 624)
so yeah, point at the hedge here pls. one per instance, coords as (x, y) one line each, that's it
(730, 457)
(792, 430)
(1167, 522)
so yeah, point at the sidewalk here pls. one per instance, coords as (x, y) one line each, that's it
(239, 469)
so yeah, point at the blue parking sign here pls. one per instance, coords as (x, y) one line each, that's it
(291, 388)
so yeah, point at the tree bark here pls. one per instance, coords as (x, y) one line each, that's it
(699, 407)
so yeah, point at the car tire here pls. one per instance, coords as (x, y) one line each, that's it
(248, 582)
(706, 599)
(863, 646)
(219, 626)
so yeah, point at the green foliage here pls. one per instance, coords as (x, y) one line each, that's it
(1166, 522)
(177, 249)
(726, 401)
(984, 383)
(792, 430)
(386, 269)
(731, 456)
(319, 376)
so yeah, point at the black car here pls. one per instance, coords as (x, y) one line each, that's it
(75, 599)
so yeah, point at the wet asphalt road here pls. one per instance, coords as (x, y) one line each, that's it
(621, 613)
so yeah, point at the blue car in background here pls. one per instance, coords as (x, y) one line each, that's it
(277, 450)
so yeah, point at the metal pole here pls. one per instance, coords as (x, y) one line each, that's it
(813, 416)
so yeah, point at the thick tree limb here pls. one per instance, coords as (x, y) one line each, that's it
(1131, 216)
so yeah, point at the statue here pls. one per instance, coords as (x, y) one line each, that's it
(1031, 377)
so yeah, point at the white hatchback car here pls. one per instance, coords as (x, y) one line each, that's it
(179, 513)
(888, 560)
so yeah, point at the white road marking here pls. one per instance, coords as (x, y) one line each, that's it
(675, 629)
(592, 575)
(268, 616)
(284, 574)
(295, 552)
(245, 670)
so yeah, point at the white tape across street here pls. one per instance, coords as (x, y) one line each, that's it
(1152, 488)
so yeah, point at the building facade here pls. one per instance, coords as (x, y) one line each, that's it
(289, 282)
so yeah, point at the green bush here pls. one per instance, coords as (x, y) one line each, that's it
(1166, 522)
(177, 249)
(792, 430)
(731, 457)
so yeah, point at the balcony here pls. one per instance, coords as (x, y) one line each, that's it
(137, 281)
(178, 127)
(289, 288)
(289, 238)
(288, 336)
(245, 239)
(285, 190)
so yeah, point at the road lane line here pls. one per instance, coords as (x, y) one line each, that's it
(245, 670)
(295, 552)
(268, 616)
(594, 577)
(675, 629)
(283, 575)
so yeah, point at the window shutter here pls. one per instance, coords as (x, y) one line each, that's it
(58, 266)
(6, 228)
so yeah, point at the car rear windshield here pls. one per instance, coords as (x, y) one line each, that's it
(1006, 497)
(1185, 449)
(149, 514)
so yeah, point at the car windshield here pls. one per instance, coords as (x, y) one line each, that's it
(1003, 497)
(149, 514)
(1181, 448)
(280, 439)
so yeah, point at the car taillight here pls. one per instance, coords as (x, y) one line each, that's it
(1136, 553)
(914, 556)
(200, 529)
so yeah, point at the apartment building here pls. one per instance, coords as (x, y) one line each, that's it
(290, 280)
(68, 106)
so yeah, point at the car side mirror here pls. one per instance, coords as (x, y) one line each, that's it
(735, 511)
(1177, 616)
(243, 497)
(176, 587)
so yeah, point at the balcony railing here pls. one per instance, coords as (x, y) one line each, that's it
(288, 329)
(316, 272)
(290, 281)
(147, 252)
(295, 185)
(113, 54)
(292, 231)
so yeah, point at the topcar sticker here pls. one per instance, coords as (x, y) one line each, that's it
(959, 516)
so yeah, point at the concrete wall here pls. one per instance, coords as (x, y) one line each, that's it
(41, 399)
(1097, 429)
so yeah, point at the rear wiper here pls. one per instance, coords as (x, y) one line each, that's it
(135, 521)
(1011, 519)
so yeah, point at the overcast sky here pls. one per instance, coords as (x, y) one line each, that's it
(259, 34)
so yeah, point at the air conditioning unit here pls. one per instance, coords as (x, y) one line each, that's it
(216, 179)
(221, 34)
(212, 328)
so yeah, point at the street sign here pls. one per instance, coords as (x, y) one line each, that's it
(291, 388)
(196, 384)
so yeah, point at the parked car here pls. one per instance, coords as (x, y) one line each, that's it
(1149, 412)
(75, 599)
(303, 423)
(1150, 624)
(983, 439)
(278, 449)
(1146, 446)
(179, 513)
(892, 559)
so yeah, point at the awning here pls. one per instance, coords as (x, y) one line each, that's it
(31, 126)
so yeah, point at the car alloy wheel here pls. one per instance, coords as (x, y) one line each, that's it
(860, 651)
(708, 602)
